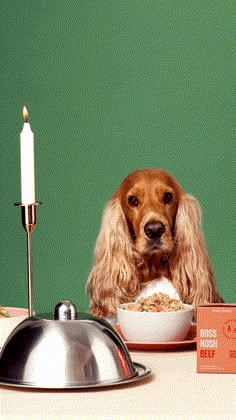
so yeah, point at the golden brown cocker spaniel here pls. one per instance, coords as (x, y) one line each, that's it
(150, 228)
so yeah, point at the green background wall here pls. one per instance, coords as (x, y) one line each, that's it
(112, 86)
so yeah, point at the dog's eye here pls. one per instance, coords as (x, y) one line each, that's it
(133, 201)
(168, 197)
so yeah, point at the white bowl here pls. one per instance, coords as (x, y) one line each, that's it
(7, 325)
(151, 327)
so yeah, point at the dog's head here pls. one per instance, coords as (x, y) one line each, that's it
(149, 199)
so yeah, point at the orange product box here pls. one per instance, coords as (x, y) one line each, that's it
(216, 338)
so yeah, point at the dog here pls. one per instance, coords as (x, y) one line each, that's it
(150, 229)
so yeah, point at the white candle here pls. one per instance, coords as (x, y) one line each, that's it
(27, 162)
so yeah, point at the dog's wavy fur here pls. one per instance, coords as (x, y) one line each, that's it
(125, 259)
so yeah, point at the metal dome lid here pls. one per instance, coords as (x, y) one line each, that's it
(66, 349)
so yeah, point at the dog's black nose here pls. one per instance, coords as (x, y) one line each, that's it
(154, 230)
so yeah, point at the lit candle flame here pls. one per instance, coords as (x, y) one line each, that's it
(25, 114)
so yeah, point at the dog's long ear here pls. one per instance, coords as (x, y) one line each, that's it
(190, 266)
(114, 277)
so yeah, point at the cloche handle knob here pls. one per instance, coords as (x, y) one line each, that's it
(65, 310)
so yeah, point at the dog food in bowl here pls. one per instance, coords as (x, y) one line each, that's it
(157, 318)
(158, 302)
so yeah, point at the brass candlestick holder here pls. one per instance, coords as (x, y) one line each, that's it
(28, 217)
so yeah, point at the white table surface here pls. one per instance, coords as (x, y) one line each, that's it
(173, 391)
